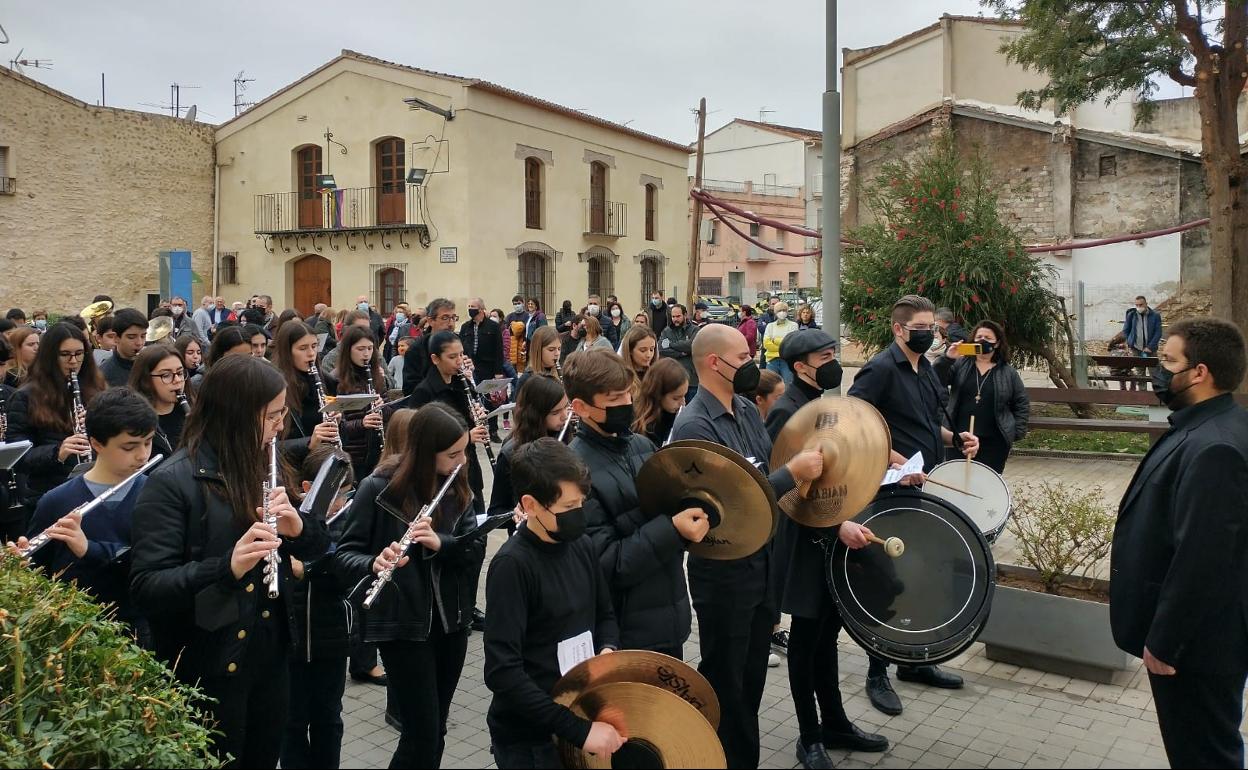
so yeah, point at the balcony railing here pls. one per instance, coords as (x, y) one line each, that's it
(8, 185)
(352, 208)
(608, 218)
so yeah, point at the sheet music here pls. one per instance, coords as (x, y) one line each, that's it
(913, 465)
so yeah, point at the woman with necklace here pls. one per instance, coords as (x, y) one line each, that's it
(987, 387)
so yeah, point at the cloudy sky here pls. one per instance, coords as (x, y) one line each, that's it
(645, 62)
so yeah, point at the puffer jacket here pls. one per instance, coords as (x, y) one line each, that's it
(444, 581)
(641, 553)
(182, 536)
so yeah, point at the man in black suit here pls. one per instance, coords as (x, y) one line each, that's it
(1179, 566)
(483, 343)
(439, 317)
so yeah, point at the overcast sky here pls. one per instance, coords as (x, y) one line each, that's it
(641, 61)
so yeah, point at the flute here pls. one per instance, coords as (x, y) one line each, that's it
(567, 420)
(474, 406)
(387, 574)
(42, 539)
(320, 399)
(272, 561)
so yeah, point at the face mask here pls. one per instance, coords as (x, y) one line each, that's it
(571, 525)
(362, 307)
(495, 319)
(618, 420)
(1141, 310)
(745, 379)
(656, 302)
(473, 312)
(593, 310)
(1162, 380)
(178, 310)
(985, 347)
(615, 312)
(41, 323)
(828, 376)
(400, 318)
(518, 307)
(920, 340)
(782, 315)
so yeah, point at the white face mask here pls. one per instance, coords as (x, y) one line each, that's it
(615, 312)
(782, 315)
(593, 310)
(518, 307)
(400, 318)
(178, 310)
(362, 307)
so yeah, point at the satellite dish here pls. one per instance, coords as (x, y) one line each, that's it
(190, 114)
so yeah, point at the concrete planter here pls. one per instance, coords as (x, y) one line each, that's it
(1052, 633)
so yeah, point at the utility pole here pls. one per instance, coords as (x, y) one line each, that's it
(830, 274)
(695, 242)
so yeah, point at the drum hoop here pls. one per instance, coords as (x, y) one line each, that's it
(970, 594)
(1009, 493)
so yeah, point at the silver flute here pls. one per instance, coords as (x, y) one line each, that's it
(320, 398)
(272, 561)
(79, 416)
(568, 419)
(668, 440)
(42, 539)
(387, 574)
(381, 432)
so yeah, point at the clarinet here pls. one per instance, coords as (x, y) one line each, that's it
(79, 416)
(381, 432)
(272, 561)
(183, 402)
(320, 399)
(42, 539)
(387, 574)
(474, 406)
(558, 370)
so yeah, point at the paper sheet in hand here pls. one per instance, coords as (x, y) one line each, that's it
(575, 650)
(913, 465)
(507, 407)
(350, 403)
(12, 452)
(486, 387)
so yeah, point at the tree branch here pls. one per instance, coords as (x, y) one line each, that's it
(1190, 29)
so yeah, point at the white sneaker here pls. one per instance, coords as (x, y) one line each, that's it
(773, 661)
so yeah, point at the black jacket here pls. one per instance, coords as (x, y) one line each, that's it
(1179, 565)
(416, 363)
(1011, 404)
(641, 553)
(488, 358)
(444, 581)
(362, 444)
(323, 616)
(301, 424)
(677, 342)
(563, 320)
(39, 468)
(658, 317)
(183, 534)
(431, 389)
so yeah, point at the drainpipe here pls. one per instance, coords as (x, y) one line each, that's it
(216, 226)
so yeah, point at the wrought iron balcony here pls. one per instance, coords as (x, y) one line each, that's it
(8, 185)
(390, 207)
(609, 218)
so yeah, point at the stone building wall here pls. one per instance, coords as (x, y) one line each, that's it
(99, 193)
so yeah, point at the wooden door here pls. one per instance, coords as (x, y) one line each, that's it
(312, 284)
(391, 197)
(309, 167)
(597, 197)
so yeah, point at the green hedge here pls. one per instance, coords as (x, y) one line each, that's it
(76, 691)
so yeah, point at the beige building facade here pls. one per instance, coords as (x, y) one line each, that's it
(90, 196)
(477, 190)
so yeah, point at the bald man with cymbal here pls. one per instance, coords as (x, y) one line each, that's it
(733, 599)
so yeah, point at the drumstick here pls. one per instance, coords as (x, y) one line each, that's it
(893, 546)
(971, 430)
(955, 489)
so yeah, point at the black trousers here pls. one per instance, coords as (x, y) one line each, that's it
(251, 705)
(1199, 715)
(526, 756)
(423, 677)
(735, 641)
(314, 725)
(813, 675)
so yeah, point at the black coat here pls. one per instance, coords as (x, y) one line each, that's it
(323, 616)
(563, 320)
(39, 468)
(1011, 404)
(658, 317)
(488, 358)
(301, 424)
(1179, 566)
(641, 553)
(416, 363)
(362, 444)
(183, 534)
(431, 389)
(444, 581)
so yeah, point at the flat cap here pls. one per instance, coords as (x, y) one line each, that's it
(804, 342)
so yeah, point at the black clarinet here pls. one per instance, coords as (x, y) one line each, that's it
(381, 432)
(474, 406)
(184, 403)
(321, 399)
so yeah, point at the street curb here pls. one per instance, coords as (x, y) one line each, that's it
(1074, 455)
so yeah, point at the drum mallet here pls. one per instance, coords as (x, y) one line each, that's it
(893, 546)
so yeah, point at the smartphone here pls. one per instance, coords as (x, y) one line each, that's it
(969, 348)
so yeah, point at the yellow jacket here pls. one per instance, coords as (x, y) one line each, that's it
(774, 334)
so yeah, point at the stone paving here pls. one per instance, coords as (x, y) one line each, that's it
(1005, 717)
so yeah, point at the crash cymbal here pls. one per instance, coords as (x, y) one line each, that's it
(855, 442)
(738, 497)
(652, 668)
(662, 729)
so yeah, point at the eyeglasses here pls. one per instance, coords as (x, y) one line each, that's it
(170, 377)
(70, 355)
(918, 328)
(448, 318)
(277, 417)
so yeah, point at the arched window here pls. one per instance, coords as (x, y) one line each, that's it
(651, 273)
(597, 197)
(600, 262)
(652, 198)
(307, 168)
(390, 289)
(533, 193)
(391, 193)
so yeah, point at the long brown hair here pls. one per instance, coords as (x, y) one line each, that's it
(296, 385)
(145, 363)
(663, 377)
(49, 395)
(396, 433)
(17, 337)
(228, 419)
(540, 339)
(349, 381)
(540, 394)
(414, 474)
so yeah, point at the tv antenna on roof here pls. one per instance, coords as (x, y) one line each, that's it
(17, 62)
(763, 113)
(240, 85)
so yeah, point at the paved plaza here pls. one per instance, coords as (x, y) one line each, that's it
(1005, 717)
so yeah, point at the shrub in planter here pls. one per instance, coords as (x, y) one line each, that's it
(1062, 531)
(76, 691)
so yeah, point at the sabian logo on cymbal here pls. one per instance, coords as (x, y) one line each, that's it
(679, 685)
(716, 540)
(693, 469)
(828, 493)
(827, 420)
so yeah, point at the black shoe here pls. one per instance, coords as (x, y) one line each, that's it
(856, 740)
(394, 722)
(367, 678)
(780, 642)
(815, 758)
(882, 695)
(931, 676)
(478, 620)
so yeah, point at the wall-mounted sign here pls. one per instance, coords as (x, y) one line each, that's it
(447, 254)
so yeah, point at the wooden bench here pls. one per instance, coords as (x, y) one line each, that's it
(1095, 397)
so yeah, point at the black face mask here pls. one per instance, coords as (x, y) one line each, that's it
(828, 376)
(920, 341)
(618, 420)
(745, 380)
(986, 347)
(473, 312)
(571, 525)
(1162, 380)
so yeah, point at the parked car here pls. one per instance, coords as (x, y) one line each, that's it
(718, 309)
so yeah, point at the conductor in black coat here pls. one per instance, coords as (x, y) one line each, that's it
(1179, 565)
(440, 317)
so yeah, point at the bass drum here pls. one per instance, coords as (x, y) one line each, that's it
(930, 603)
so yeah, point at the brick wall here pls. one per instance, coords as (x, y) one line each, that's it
(100, 192)
(1021, 162)
(1121, 191)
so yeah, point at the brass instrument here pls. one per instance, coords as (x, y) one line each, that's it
(321, 399)
(78, 415)
(426, 512)
(42, 539)
(474, 406)
(381, 432)
(159, 328)
(272, 561)
(94, 312)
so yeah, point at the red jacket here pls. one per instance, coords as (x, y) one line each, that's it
(749, 329)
